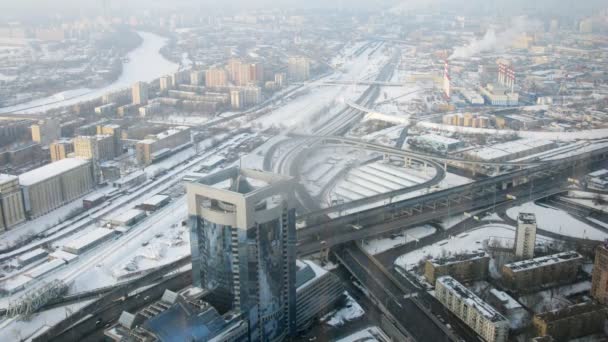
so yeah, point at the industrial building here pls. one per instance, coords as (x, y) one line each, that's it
(11, 202)
(434, 143)
(128, 218)
(53, 185)
(572, 321)
(243, 247)
(525, 236)
(533, 274)
(159, 145)
(155, 202)
(88, 241)
(472, 310)
(463, 267)
(510, 150)
(130, 180)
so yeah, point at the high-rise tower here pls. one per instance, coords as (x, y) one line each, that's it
(242, 236)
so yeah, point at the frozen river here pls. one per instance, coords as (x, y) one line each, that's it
(145, 63)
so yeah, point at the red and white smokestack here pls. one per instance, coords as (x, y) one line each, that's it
(511, 78)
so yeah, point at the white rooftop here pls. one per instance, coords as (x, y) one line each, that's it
(89, 238)
(6, 178)
(471, 299)
(127, 216)
(51, 170)
(156, 200)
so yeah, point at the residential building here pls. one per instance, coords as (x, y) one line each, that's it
(115, 131)
(572, 321)
(599, 279)
(298, 69)
(95, 147)
(243, 238)
(216, 77)
(252, 95)
(533, 274)
(525, 236)
(53, 185)
(11, 202)
(60, 149)
(474, 312)
(465, 267)
(236, 99)
(166, 84)
(280, 79)
(46, 131)
(197, 77)
(157, 146)
(139, 93)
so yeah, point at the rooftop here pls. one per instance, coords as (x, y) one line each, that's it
(527, 218)
(459, 258)
(471, 299)
(544, 261)
(51, 170)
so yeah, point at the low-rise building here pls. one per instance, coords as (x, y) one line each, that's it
(53, 185)
(532, 274)
(434, 143)
(128, 218)
(571, 322)
(472, 310)
(464, 267)
(155, 202)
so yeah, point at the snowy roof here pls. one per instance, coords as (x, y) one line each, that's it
(127, 216)
(527, 218)
(307, 272)
(508, 301)
(45, 268)
(543, 261)
(471, 298)
(212, 161)
(89, 238)
(94, 197)
(38, 252)
(51, 170)
(509, 148)
(599, 173)
(156, 200)
(4, 178)
(63, 255)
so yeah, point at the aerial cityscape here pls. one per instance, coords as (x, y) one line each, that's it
(392, 170)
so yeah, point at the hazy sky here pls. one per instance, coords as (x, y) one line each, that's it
(550, 7)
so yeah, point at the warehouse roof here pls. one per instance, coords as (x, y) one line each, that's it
(51, 170)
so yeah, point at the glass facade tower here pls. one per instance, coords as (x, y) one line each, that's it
(243, 247)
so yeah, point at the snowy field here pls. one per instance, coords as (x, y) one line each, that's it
(371, 334)
(376, 246)
(558, 221)
(462, 243)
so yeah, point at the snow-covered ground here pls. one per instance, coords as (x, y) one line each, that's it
(462, 243)
(558, 221)
(145, 64)
(351, 311)
(371, 334)
(554, 299)
(375, 246)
